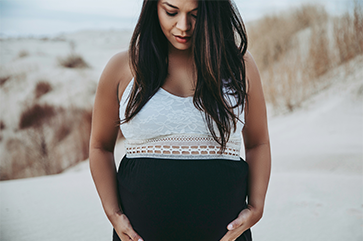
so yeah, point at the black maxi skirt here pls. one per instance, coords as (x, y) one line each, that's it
(182, 200)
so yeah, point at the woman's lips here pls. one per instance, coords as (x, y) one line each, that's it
(182, 39)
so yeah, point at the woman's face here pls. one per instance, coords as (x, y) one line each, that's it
(177, 21)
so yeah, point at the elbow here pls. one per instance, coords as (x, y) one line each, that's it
(98, 153)
(251, 146)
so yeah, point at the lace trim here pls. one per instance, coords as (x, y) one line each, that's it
(183, 147)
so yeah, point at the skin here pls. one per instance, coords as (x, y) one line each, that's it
(177, 18)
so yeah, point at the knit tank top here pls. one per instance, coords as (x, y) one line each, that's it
(171, 127)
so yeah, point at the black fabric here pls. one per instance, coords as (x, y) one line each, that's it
(182, 200)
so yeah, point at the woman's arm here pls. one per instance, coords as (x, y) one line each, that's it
(258, 156)
(114, 79)
(256, 139)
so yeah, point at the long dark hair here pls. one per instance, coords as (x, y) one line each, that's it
(219, 44)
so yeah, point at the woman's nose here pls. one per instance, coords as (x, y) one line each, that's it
(183, 23)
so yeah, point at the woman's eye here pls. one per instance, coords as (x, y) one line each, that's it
(170, 14)
(194, 16)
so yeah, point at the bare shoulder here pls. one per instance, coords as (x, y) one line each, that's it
(117, 73)
(251, 67)
(119, 62)
(252, 73)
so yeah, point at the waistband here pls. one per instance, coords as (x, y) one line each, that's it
(183, 146)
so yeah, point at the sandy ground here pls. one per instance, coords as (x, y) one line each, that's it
(316, 184)
(315, 191)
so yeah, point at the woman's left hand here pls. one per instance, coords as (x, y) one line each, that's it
(246, 219)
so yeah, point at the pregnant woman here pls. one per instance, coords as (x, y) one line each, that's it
(186, 94)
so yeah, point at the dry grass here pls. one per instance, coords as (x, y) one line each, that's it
(23, 53)
(279, 81)
(62, 131)
(31, 155)
(319, 52)
(3, 79)
(14, 74)
(344, 38)
(47, 139)
(42, 88)
(17, 163)
(274, 36)
(36, 115)
(348, 34)
(59, 142)
(358, 24)
(295, 49)
(73, 61)
(2, 125)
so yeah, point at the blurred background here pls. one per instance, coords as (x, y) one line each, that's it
(310, 57)
(41, 17)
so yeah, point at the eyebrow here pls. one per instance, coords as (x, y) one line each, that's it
(172, 6)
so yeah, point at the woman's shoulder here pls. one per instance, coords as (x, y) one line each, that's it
(118, 66)
(252, 73)
(250, 62)
(120, 57)
(117, 72)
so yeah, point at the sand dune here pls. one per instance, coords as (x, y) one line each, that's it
(26, 62)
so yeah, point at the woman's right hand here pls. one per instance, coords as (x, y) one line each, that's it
(124, 229)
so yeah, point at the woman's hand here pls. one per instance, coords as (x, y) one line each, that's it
(245, 220)
(124, 229)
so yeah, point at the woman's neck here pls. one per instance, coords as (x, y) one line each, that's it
(180, 60)
(183, 55)
(181, 74)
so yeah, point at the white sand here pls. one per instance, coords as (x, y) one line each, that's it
(315, 191)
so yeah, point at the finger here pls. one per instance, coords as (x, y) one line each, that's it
(130, 236)
(240, 220)
(129, 231)
(127, 236)
(230, 236)
(234, 234)
(134, 236)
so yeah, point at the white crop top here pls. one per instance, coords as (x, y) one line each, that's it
(169, 126)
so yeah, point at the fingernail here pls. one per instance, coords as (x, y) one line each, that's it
(139, 239)
(230, 227)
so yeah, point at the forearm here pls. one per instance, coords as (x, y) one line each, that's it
(103, 172)
(259, 161)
